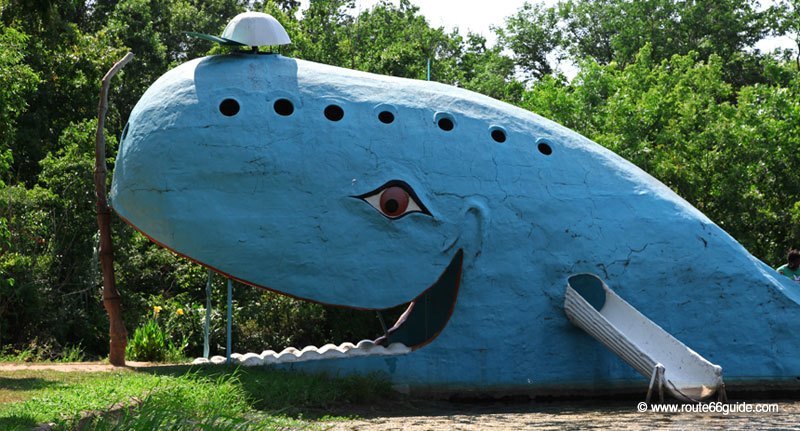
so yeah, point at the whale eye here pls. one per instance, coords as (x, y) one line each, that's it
(394, 200)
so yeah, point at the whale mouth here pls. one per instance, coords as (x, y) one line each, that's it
(423, 320)
(428, 314)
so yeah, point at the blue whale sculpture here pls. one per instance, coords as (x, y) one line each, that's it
(367, 191)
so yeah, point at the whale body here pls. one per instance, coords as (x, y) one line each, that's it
(367, 191)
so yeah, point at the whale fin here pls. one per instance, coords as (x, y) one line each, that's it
(215, 39)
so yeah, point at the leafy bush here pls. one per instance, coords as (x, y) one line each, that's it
(151, 342)
(48, 251)
(266, 320)
(72, 354)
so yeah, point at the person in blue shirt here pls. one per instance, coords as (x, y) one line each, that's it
(791, 268)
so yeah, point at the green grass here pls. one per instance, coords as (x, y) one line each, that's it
(36, 353)
(180, 398)
(7, 354)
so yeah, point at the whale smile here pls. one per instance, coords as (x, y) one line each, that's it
(423, 320)
(428, 314)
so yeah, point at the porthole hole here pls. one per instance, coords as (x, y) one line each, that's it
(499, 135)
(386, 117)
(445, 124)
(284, 107)
(334, 112)
(229, 107)
(545, 148)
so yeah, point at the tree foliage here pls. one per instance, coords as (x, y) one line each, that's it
(616, 30)
(785, 20)
(17, 80)
(532, 34)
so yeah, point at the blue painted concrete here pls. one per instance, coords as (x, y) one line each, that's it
(269, 200)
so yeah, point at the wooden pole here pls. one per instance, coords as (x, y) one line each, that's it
(111, 301)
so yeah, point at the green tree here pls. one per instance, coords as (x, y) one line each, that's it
(287, 6)
(154, 31)
(532, 34)
(758, 188)
(52, 242)
(324, 31)
(69, 72)
(488, 71)
(17, 82)
(786, 22)
(616, 30)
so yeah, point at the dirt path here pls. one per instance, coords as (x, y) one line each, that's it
(75, 366)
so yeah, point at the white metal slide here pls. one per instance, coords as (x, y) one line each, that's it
(592, 306)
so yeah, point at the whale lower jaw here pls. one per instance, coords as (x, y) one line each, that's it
(310, 353)
(423, 321)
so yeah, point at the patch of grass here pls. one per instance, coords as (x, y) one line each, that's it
(22, 386)
(42, 353)
(72, 354)
(180, 398)
(169, 412)
(9, 354)
(294, 392)
(63, 396)
(299, 391)
(193, 402)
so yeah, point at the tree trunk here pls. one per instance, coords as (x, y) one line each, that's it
(111, 301)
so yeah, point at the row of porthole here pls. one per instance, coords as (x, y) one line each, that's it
(285, 107)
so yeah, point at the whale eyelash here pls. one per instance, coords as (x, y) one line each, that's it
(375, 198)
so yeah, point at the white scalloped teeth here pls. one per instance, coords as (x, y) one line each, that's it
(309, 353)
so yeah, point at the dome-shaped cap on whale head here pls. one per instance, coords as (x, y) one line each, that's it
(256, 29)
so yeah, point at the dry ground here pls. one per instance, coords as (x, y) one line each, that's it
(72, 366)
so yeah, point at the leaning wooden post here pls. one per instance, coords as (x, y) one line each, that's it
(111, 301)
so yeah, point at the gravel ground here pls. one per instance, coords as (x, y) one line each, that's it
(583, 415)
